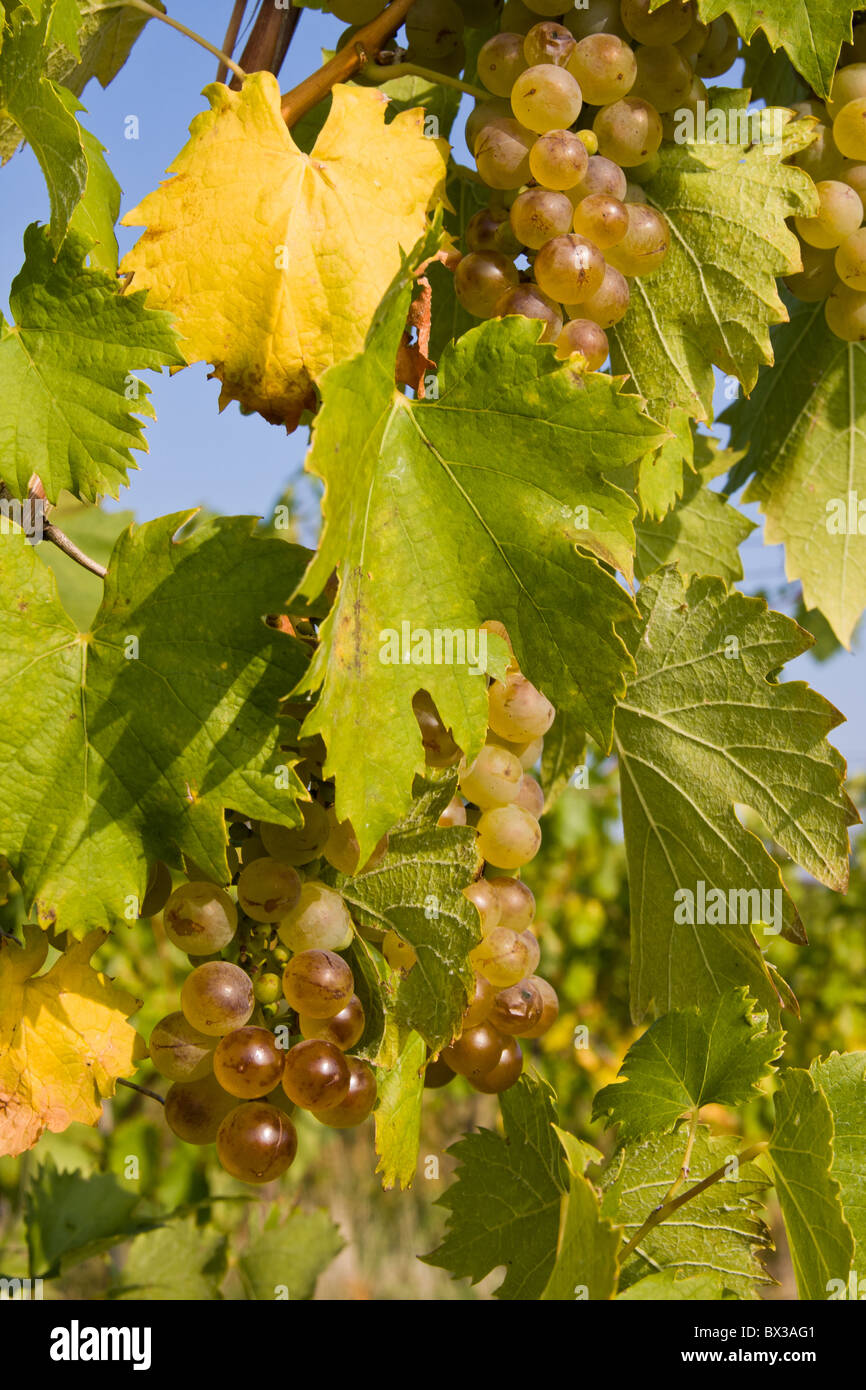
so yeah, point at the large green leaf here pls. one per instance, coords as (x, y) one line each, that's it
(179, 1262)
(803, 427)
(714, 297)
(672, 1287)
(701, 533)
(705, 727)
(96, 214)
(842, 1080)
(440, 515)
(715, 1055)
(71, 1218)
(769, 76)
(587, 1260)
(284, 1262)
(810, 31)
(124, 745)
(504, 1205)
(68, 399)
(398, 1114)
(801, 1148)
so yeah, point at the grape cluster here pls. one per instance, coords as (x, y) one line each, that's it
(833, 242)
(577, 114)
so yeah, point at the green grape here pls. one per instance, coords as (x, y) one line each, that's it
(493, 779)
(268, 889)
(217, 997)
(603, 220)
(664, 77)
(437, 1074)
(558, 160)
(548, 43)
(583, 344)
(508, 837)
(695, 40)
(549, 1011)
(635, 194)
(454, 814)
(485, 113)
(599, 17)
(355, 11)
(482, 229)
(821, 160)
(645, 244)
(517, 1009)
(299, 844)
(342, 850)
(528, 301)
(342, 1030)
(398, 953)
(605, 68)
(256, 1143)
(247, 1063)
(504, 1074)
(315, 1075)
(480, 281)
(318, 984)
(539, 214)
(568, 269)
(720, 49)
(180, 1052)
(854, 175)
(610, 302)
(434, 28)
(516, 903)
(530, 796)
(840, 212)
(501, 62)
(200, 918)
(482, 894)
(602, 176)
(516, 709)
(357, 1104)
(533, 950)
(194, 1110)
(849, 129)
(319, 920)
(516, 18)
(818, 276)
(666, 25)
(845, 312)
(440, 750)
(629, 132)
(848, 83)
(590, 140)
(546, 97)
(268, 988)
(158, 890)
(480, 1004)
(475, 1052)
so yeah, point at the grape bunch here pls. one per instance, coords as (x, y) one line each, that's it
(833, 242)
(577, 113)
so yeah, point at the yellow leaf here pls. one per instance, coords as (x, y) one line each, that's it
(274, 261)
(64, 1039)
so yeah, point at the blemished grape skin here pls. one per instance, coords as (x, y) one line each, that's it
(608, 305)
(319, 920)
(568, 269)
(840, 213)
(483, 895)
(482, 228)
(475, 1052)
(539, 214)
(548, 42)
(318, 983)
(605, 68)
(585, 345)
(550, 1010)
(200, 918)
(558, 160)
(482, 114)
(500, 63)
(194, 1110)
(358, 1102)
(516, 902)
(343, 1030)
(517, 1010)
(248, 1063)
(217, 997)
(504, 1074)
(602, 176)
(300, 844)
(480, 281)
(850, 261)
(629, 131)
(508, 837)
(440, 750)
(315, 1075)
(529, 302)
(666, 25)
(849, 129)
(268, 889)
(493, 779)
(845, 312)
(645, 244)
(256, 1142)
(480, 1004)
(546, 97)
(503, 958)
(517, 709)
(603, 220)
(180, 1052)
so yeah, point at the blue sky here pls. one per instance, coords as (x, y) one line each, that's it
(231, 463)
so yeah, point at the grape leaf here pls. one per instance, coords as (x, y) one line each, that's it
(715, 1055)
(286, 1261)
(660, 476)
(714, 297)
(68, 399)
(803, 430)
(810, 31)
(504, 1205)
(398, 1114)
(416, 490)
(124, 745)
(672, 1287)
(587, 1259)
(306, 245)
(564, 751)
(180, 1261)
(769, 76)
(842, 1080)
(801, 1147)
(97, 212)
(718, 1232)
(64, 1039)
(705, 726)
(95, 531)
(702, 533)
(71, 1217)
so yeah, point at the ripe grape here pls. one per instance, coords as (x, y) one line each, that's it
(247, 1063)
(440, 750)
(434, 28)
(398, 953)
(546, 97)
(849, 129)
(530, 796)
(475, 1052)
(502, 153)
(482, 229)
(480, 282)
(315, 1075)
(602, 176)
(343, 1029)
(629, 132)
(505, 1073)
(533, 950)
(539, 214)
(158, 889)
(358, 1102)
(840, 212)
(342, 849)
(180, 1052)
(666, 25)
(194, 1110)
(319, 921)
(437, 1074)
(609, 303)
(590, 141)
(694, 41)
(845, 312)
(818, 276)
(482, 894)
(848, 84)
(821, 160)
(720, 49)
(493, 779)
(530, 302)
(854, 175)
(568, 269)
(501, 62)
(550, 1010)
(635, 194)
(583, 344)
(217, 997)
(516, 1010)
(605, 68)
(548, 43)
(200, 918)
(516, 903)
(318, 983)
(664, 77)
(508, 837)
(600, 17)
(484, 113)
(850, 260)
(558, 160)
(454, 814)
(300, 844)
(256, 1143)
(603, 220)
(503, 958)
(479, 1005)
(517, 710)
(645, 244)
(267, 889)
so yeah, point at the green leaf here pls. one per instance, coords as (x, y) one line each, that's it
(769, 75)
(180, 1261)
(801, 1148)
(564, 751)
(452, 488)
(701, 534)
(105, 40)
(717, 1233)
(587, 1262)
(398, 1114)
(842, 1080)
(672, 1287)
(96, 214)
(95, 531)
(715, 1055)
(504, 1205)
(803, 428)
(714, 298)
(68, 399)
(810, 31)
(660, 475)
(71, 1218)
(705, 727)
(138, 734)
(285, 1261)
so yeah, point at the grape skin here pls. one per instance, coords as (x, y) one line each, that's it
(316, 1075)
(504, 1074)
(268, 889)
(358, 1102)
(605, 68)
(342, 1030)
(568, 269)
(840, 212)
(845, 312)
(217, 997)
(558, 160)
(603, 220)
(194, 1110)
(500, 63)
(610, 302)
(546, 97)
(318, 983)
(503, 958)
(528, 301)
(584, 344)
(319, 921)
(849, 129)
(850, 260)
(200, 918)
(256, 1143)
(248, 1063)
(180, 1052)
(539, 214)
(629, 131)
(483, 895)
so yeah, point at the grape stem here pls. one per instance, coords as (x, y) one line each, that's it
(142, 1090)
(683, 1174)
(383, 72)
(231, 36)
(345, 63)
(153, 13)
(53, 533)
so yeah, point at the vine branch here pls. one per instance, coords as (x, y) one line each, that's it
(384, 71)
(142, 1090)
(53, 533)
(231, 37)
(344, 64)
(153, 13)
